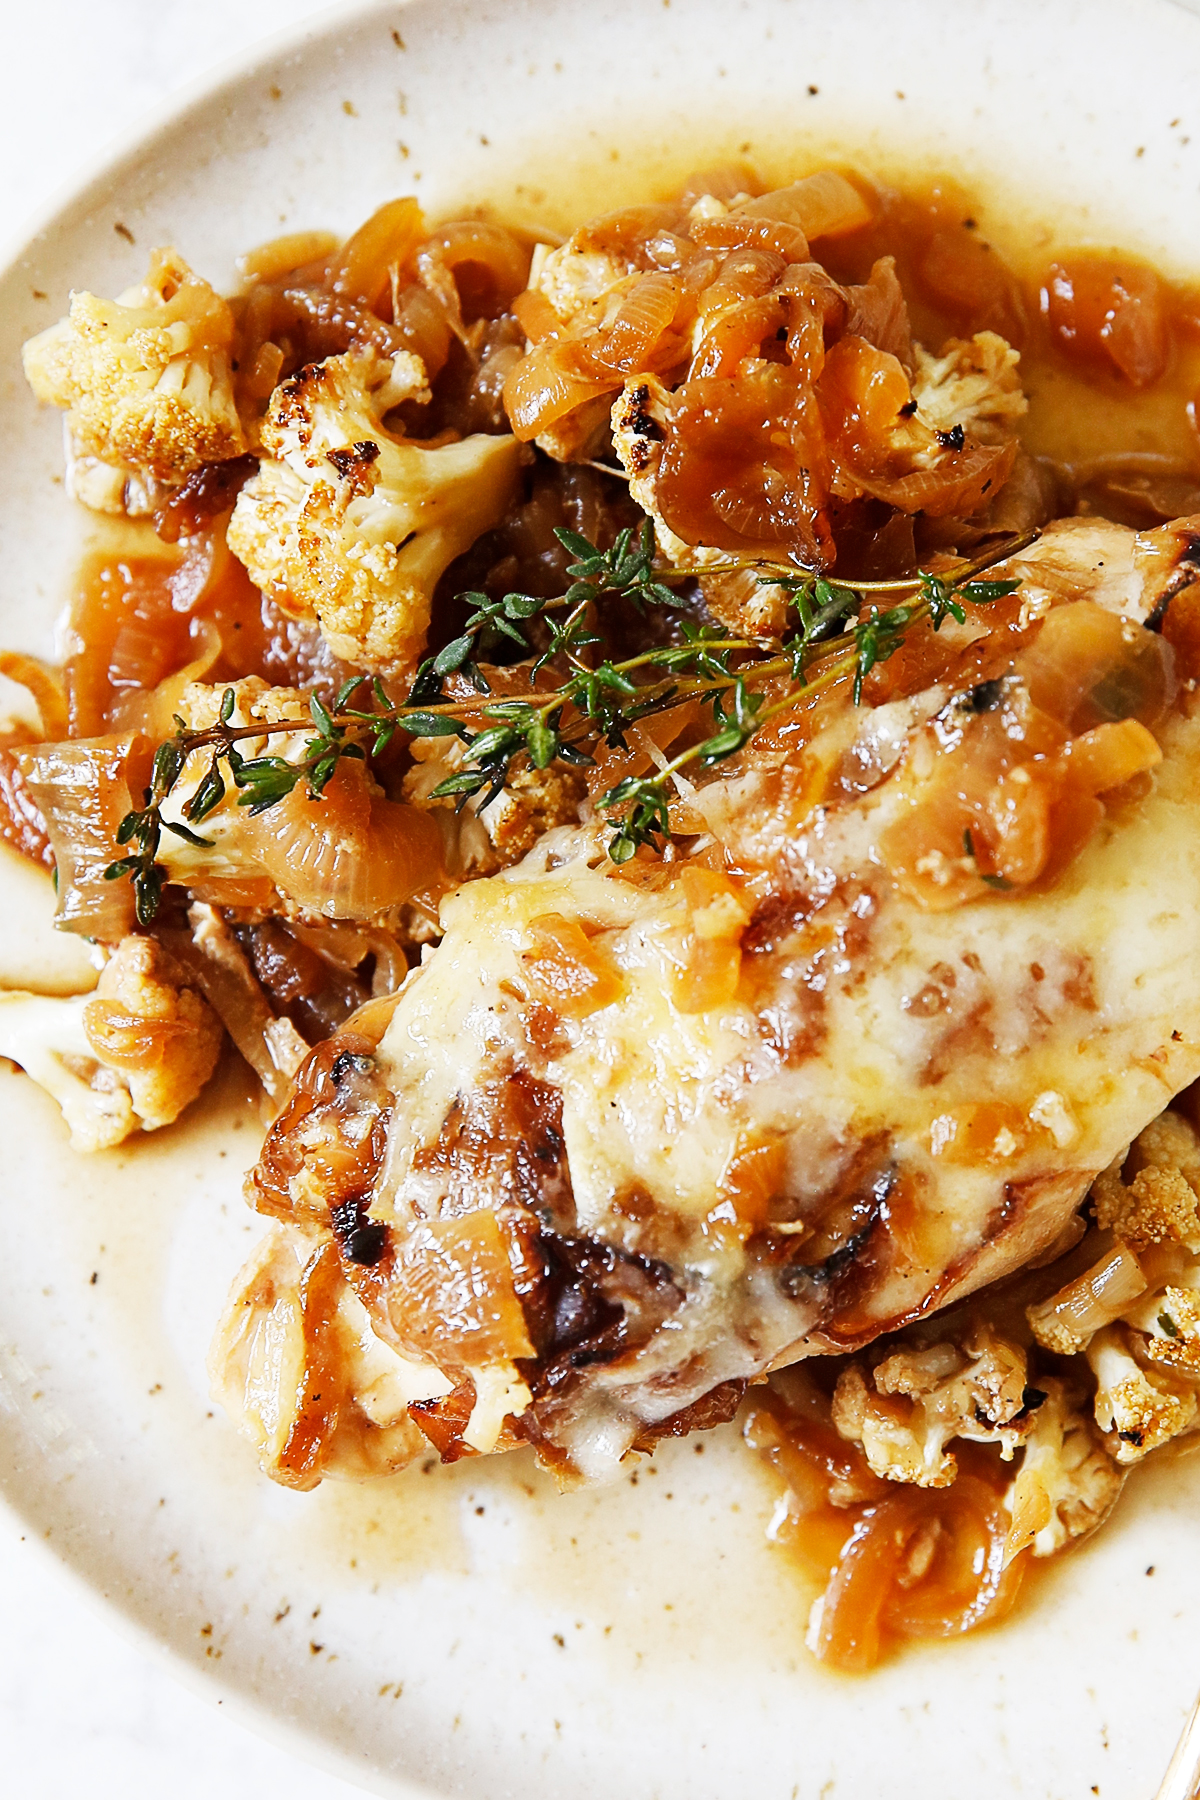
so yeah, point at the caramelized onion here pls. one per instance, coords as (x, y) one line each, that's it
(535, 315)
(743, 466)
(724, 183)
(124, 633)
(451, 1295)
(923, 1563)
(958, 487)
(21, 822)
(44, 687)
(136, 1045)
(1093, 1300)
(1102, 311)
(822, 205)
(217, 964)
(542, 388)
(964, 277)
(878, 312)
(644, 317)
(744, 231)
(84, 789)
(1088, 667)
(474, 267)
(153, 710)
(738, 333)
(387, 240)
(351, 854)
(279, 256)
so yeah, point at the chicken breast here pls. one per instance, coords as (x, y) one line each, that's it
(633, 1136)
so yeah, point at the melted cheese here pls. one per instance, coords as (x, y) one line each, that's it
(1073, 1014)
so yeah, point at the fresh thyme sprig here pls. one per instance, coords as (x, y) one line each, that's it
(593, 703)
(873, 638)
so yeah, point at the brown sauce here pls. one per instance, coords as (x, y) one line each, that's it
(1051, 304)
(1111, 364)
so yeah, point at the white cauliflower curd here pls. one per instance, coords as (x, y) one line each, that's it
(129, 1057)
(1135, 1313)
(352, 524)
(924, 1398)
(972, 388)
(146, 384)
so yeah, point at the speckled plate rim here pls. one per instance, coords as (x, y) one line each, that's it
(75, 201)
(72, 197)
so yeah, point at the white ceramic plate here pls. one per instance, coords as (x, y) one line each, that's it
(467, 1631)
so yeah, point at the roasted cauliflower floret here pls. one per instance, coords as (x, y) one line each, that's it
(973, 388)
(45, 1037)
(1136, 1312)
(1067, 1482)
(351, 523)
(918, 1400)
(129, 1057)
(1169, 1322)
(1158, 1205)
(975, 383)
(162, 1036)
(1144, 1407)
(573, 277)
(480, 839)
(145, 382)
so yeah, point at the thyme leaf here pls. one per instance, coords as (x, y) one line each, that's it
(841, 634)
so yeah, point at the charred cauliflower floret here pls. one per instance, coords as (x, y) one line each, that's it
(129, 1057)
(973, 388)
(1144, 1407)
(916, 1401)
(572, 276)
(1136, 1311)
(1169, 1321)
(1067, 1482)
(975, 383)
(351, 523)
(145, 382)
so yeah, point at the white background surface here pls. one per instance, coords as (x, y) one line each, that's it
(81, 1709)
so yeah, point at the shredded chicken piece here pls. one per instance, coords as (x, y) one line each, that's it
(352, 524)
(146, 384)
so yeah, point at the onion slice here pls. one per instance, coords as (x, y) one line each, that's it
(83, 789)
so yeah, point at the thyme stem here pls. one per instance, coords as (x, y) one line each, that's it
(596, 703)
